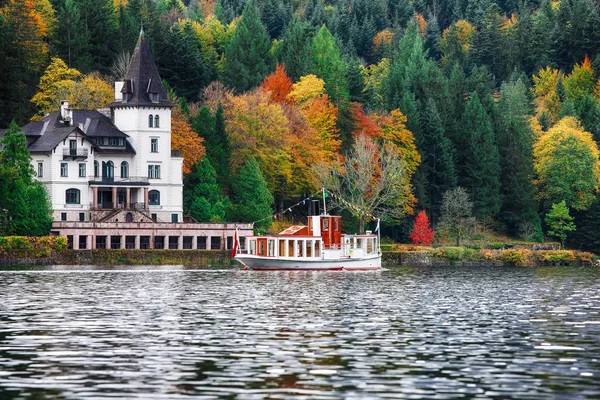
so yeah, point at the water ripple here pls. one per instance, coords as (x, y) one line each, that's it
(413, 333)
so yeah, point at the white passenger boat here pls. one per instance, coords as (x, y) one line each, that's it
(318, 246)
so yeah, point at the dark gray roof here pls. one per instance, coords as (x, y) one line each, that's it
(46, 134)
(47, 142)
(142, 80)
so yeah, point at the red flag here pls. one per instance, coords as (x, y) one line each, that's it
(235, 244)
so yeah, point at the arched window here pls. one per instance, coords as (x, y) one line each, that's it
(73, 196)
(154, 198)
(156, 124)
(150, 120)
(129, 217)
(96, 169)
(124, 169)
(110, 170)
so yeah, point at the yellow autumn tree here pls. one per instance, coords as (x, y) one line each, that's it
(320, 114)
(185, 140)
(580, 81)
(259, 128)
(460, 32)
(546, 99)
(307, 88)
(60, 82)
(567, 165)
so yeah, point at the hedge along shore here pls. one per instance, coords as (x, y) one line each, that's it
(52, 250)
(222, 258)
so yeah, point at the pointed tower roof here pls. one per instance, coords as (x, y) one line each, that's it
(142, 85)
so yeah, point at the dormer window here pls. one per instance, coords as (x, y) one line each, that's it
(155, 98)
(150, 121)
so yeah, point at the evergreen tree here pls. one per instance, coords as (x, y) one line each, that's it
(436, 172)
(328, 64)
(432, 38)
(248, 58)
(26, 202)
(182, 64)
(515, 146)
(295, 48)
(202, 196)
(72, 40)
(588, 112)
(480, 165)
(212, 129)
(252, 199)
(579, 31)
(275, 15)
(100, 26)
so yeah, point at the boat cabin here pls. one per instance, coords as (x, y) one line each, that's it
(322, 238)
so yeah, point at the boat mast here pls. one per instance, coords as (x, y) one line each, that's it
(324, 205)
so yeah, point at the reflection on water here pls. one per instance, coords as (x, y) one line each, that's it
(172, 332)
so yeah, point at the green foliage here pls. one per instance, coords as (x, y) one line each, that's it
(560, 222)
(436, 173)
(515, 145)
(248, 58)
(480, 164)
(202, 196)
(328, 64)
(251, 198)
(456, 211)
(24, 203)
(28, 246)
(181, 62)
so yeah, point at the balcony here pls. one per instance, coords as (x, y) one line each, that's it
(75, 154)
(130, 181)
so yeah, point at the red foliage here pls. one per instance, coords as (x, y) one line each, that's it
(422, 234)
(278, 84)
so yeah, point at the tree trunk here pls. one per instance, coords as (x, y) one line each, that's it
(361, 224)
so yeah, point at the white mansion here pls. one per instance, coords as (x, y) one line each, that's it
(112, 178)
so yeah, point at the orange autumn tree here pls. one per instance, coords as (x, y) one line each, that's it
(184, 139)
(278, 84)
(28, 31)
(320, 114)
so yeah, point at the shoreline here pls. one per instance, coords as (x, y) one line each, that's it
(438, 257)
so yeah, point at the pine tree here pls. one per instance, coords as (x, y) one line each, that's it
(248, 58)
(515, 146)
(328, 64)
(252, 199)
(26, 202)
(182, 64)
(560, 222)
(436, 171)
(100, 26)
(201, 195)
(480, 165)
(295, 48)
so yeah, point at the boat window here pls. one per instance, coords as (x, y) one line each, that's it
(325, 224)
(336, 226)
(253, 246)
(281, 248)
(261, 247)
(309, 252)
(271, 248)
(300, 248)
(291, 248)
(369, 245)
(317, 249)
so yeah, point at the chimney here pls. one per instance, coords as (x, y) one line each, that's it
(66, 114)
(118, 88)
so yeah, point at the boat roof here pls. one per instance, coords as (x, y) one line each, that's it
(292, 230)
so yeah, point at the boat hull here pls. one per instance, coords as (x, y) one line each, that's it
(280, 264)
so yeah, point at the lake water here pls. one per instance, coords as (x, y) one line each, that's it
(415, 333)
